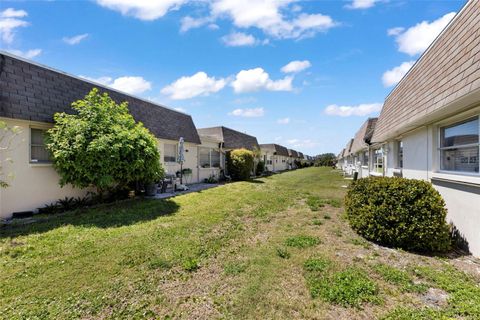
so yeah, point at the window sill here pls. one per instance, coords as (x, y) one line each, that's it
(40, 164)
(457, 177)
(376, 174)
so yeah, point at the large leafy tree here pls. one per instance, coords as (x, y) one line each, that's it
(102, 146)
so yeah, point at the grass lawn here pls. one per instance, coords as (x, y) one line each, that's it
(275, 248)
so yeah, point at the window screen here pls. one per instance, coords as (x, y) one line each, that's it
(170, 153)
(38, 152)
(459, 146)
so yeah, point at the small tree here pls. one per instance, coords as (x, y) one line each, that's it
(260, 168)
(326, 160)
(102, 146)
(240, 163)
(7, 136)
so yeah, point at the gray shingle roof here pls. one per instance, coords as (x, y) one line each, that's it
(278, 149)
(363, 135)
(29, 91)
(292, 153)
(232, 139)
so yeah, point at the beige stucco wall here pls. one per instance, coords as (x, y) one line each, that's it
(191, 160)
(31, 185)
(34, 185)
(204, 173)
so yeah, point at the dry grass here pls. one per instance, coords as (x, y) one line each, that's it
(135, 268)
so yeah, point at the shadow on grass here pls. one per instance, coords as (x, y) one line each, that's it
(254, 181)
(104, 216)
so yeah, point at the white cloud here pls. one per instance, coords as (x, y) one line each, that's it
(75, 39)
(393, 76)
(395, 31)
(267, 15)
(296, 66)
(358, 110)
(179, 109)
(361, 4)
(9, 21)
(283, 121)
(29, 54)
(248, 113)
(302, 143)
(142, 9)
(127, 84)
(188, 23)
(257, 79)
(239, 39)
(200, 84)
(416, 39)
(12, 13)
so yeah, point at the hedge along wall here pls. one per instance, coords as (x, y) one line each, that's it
(398, 212)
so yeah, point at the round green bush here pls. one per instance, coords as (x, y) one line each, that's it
(260, 168)
(240, 164)
(398, 212)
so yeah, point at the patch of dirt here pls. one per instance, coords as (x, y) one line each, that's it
(435, 298)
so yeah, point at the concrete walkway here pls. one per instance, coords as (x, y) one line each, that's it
(191, 188)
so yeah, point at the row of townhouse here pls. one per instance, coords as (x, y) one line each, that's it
(430, 123)
(30, 95)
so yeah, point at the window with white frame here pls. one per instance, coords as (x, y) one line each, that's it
(38, 151)
(459, 146)
(209, 158)
(215, 158)
(170, 152)
(378, 160)
(365, 158)
(399, 154)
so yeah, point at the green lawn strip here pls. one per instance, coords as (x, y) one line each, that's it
(400, 278)
(92, 251)
(348, 287)
(463, 289)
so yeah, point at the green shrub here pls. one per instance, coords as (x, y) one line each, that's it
(240, 164)
(102, 146)
(302, 241)
(397, 212)
(260, 168)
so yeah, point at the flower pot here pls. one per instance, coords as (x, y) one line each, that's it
(151, 189)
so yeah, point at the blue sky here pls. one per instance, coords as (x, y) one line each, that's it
(228, 62)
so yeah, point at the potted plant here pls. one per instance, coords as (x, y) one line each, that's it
(151, 185)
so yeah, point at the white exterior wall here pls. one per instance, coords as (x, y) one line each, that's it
(31, 185)
(461, 192)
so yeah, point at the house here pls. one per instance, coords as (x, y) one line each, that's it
(211, 157)
(429, 125)
(275, 157)
(30, 94)
(360, 148)
(293, 155)
(230, 139)
(347, 157)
